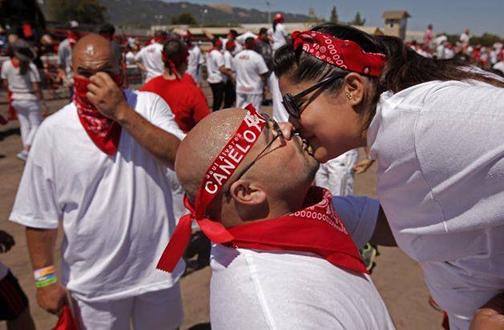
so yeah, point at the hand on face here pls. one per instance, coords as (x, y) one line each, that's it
(106, 96)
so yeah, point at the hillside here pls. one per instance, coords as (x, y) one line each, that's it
(144, 13)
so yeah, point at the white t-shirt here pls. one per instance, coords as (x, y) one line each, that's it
(215, 60)
(441, 184)
(21, 86)
(292, 290)
(115, 211)
(151, 58)
(4, 270)
(249, 67)
(279, 36)
(193, 62)
(464, 38)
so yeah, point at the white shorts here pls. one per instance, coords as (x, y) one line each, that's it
(153, 310)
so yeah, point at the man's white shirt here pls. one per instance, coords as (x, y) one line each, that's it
(115, 211)
(151, 58)
(249, 67)
(215, 60)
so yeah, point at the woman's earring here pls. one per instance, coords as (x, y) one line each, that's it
(348, 95)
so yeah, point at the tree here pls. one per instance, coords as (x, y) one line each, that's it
(184, 19)
(334, 15)
(485, 40)
(83, 11)
(358, 20)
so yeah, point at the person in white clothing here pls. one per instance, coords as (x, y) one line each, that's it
(278, 33)
(229, 80)
(217, 73)
(251, 73)
(434, 129)
(465, 37)
(149, 58)
(22, 79)
(95, 170)
(269, 268)
(195, 59)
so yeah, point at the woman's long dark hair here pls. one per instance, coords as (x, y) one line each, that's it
(404, 67)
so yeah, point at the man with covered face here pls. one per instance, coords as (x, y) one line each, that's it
(98, 169)
(283, 258)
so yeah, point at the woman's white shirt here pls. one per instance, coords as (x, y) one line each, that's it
(21, 85)
(440, 153)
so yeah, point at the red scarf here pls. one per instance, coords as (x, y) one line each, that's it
(345, 54)
(104, 132)
(315, 229)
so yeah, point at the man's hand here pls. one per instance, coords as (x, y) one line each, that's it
(52, 298)
(107, 97)
(6, 241)
(490, 316)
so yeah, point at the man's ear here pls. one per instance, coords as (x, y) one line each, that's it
(246, 193)
(354, 88)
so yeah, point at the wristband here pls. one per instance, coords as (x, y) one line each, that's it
(45, 276)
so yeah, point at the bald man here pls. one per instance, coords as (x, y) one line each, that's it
(98, 169)
(283, 258)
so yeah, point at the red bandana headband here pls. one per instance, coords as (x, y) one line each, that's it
(222, 168)
(345, 54)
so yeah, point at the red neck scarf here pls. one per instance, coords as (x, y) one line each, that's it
(104, 132)
(345, 54)
(316, 229)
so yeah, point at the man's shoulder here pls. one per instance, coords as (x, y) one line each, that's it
(145, 102)
(62, 118)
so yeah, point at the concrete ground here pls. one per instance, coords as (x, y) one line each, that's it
(398, 278)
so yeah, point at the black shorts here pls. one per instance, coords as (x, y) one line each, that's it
(13, 300)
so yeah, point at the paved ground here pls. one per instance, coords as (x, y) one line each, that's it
(397, 277)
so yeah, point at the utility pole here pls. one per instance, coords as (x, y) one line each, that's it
(268, 4)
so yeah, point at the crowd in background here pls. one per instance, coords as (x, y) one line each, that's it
(438, 46)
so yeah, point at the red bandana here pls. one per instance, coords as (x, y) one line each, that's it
(344, 54)
(104, 132)
(315, 229)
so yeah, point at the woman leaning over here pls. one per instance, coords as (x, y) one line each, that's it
(436, 130)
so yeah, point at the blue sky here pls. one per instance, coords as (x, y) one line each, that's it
(450, 16)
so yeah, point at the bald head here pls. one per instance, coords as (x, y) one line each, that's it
(202, 144)
(93, 53)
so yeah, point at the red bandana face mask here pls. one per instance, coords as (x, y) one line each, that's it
(315, 229)
(104, 132)
(344, 54)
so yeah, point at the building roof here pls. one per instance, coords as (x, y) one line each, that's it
(395, 14)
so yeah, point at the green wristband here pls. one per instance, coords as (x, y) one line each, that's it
(46, 281)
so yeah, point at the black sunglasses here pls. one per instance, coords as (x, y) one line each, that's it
(278, 135)
(291, 102)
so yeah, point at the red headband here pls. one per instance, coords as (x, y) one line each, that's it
(345, 54)
(222, 168)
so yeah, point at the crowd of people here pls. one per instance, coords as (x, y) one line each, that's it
(490, 58)
(125, 172)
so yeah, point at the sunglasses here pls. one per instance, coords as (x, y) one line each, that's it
(278, 135)
(292, 102)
